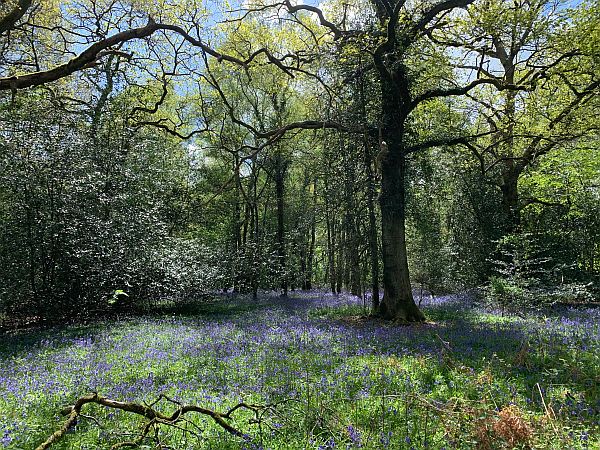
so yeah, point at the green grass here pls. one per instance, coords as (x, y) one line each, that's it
(470, 379)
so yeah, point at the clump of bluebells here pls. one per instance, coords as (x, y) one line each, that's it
(344, 381)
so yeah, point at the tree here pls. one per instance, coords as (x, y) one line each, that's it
(521, 43)
(399, 31)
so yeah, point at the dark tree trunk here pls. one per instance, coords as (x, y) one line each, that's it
(279, 189)
(237, 226)
(351, 234)
(330, 221)
(371, 180)
(340, 259)
(331, 255)
(511, 172)
(313, 238)
(398, 302)
(372, 233)
(310, 256)
(255, 233)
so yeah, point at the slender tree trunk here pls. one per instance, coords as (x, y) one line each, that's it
(510, 200)
(330, 221)
(372, 233)
(340, 257)
(350, 228)
(255, 224)
(330, 256)
(237, 229)
(303, 258)
(371, 179)
(279, 188)
(256, 246)
(310, 252)
(313, 237)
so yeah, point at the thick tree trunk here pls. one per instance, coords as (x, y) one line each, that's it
(511, 173)
(398, 302)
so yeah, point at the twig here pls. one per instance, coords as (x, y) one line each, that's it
(149, 412)
(551, 416)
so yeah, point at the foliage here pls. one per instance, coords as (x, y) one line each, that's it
(86, 214)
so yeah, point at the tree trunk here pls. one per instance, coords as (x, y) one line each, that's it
(371, 179)
(340, 258)
(510, 200)
(279, 188)
(237, 227)
(398, 302)
(313, 238)
(256, 251)
(372, 234)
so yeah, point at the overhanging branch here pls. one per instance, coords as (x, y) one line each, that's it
(446, 141)
(463, 90)
(93, 53)
(9, 21)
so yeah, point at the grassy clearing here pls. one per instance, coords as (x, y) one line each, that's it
(470, 379)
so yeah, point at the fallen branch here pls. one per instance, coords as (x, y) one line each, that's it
(148, 411)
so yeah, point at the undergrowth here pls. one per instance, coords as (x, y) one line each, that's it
(467, 379)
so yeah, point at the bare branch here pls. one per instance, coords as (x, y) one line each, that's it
(148, 412)
(447, 141)
(462, 90)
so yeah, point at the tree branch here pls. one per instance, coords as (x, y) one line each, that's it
(464, 140)
(337, 31)
(148, 411)
(90, 56)
(83, 60)
(462, 90)
(429, 15)
(8, 22)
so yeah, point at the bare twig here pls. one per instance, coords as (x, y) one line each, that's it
(155, 417)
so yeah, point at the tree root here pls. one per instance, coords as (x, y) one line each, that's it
(155, 417)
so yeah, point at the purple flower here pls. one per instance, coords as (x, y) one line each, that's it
(355, 436)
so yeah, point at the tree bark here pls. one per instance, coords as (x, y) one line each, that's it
(373, 248)
(398, 302)
(510, 200)
(279, 188)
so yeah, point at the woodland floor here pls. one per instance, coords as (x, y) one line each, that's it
(470, 378)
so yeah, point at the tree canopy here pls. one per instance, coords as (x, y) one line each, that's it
(170, 149)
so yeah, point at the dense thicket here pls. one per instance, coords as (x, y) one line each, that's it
(189, 150)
